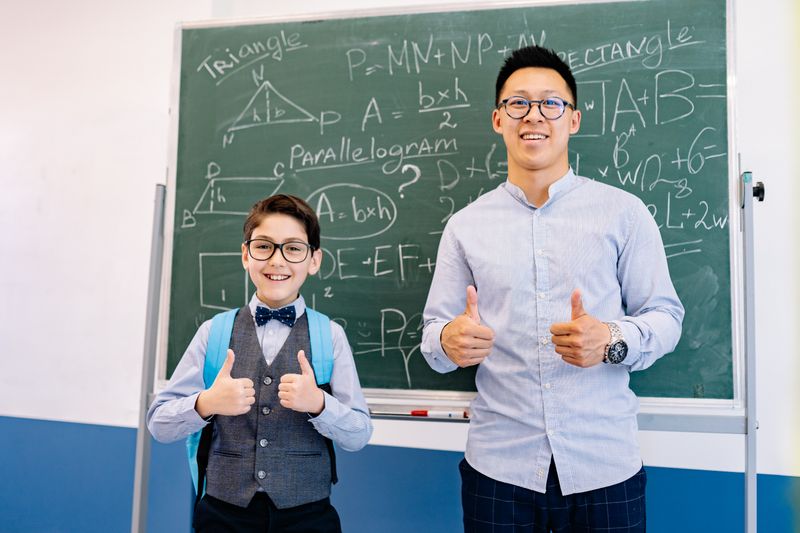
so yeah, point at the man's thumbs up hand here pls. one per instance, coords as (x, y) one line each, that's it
(582, 341)
(228, 395)
(299, 391)
(472, 304)
(464, 340)
(577, 305)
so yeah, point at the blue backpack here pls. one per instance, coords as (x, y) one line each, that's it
(319, 332)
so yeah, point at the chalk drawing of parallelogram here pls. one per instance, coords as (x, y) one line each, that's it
(268, 106)
(223, 284)
(234, 196)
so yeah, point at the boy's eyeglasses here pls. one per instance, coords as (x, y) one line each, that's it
(292, 251)
(550, 108)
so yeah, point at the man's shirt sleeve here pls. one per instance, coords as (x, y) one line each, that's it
(654, 314)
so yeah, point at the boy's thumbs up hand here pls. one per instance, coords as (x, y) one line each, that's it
(299, 391)
(582, 341)
(464, 340)
(228, 395)
(227, 366)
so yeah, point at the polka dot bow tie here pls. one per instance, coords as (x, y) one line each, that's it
(284, 314)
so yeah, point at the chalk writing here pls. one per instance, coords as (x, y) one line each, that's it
(383, 125)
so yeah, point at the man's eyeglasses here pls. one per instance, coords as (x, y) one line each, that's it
(550, 108)
(292, 251)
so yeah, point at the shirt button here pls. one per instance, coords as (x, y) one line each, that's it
(536, 213)
(270, 332)
(539, 252)
(265, 410)
(546, 385)
(261, 474)
(542, 295)
(550, 432)
(543, 341)
(263, 443)
(541, 472)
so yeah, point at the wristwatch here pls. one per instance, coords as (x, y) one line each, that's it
(617, 348)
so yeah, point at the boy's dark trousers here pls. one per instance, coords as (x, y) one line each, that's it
(213, 515)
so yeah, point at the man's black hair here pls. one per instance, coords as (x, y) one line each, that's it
(538, 57)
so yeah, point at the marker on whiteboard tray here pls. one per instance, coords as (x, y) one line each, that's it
(430, 413)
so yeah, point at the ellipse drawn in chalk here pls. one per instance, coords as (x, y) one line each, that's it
(354, 206)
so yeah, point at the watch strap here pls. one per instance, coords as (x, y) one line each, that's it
(616, 336)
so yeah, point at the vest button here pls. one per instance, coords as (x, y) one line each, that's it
(261, 474)
(267, 380)
(263, 443)
(265, 410)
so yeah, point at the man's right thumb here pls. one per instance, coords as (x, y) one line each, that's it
(228, 365)
(472, 303)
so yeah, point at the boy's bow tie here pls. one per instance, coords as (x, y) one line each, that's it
(284, 314)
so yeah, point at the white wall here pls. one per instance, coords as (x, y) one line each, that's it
(768, 64)
(83, 141)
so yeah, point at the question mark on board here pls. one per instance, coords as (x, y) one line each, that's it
(417, 174)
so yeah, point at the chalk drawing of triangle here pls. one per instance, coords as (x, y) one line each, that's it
(268, 106)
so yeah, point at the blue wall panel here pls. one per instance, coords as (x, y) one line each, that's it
(170, 494)
(391, 490)
(61, 477)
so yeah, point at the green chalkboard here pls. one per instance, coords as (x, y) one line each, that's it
(383, 124)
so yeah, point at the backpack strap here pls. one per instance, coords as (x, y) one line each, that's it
(219, 339)
(198, 444)
(319, 332)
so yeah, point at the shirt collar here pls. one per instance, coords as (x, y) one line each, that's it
(558, 188)
(299, 305)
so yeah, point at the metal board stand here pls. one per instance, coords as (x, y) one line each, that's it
(142, 469)
(748, 192)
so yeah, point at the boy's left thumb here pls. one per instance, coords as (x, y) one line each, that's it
(305, 368)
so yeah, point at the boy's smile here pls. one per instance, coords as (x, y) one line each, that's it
(277, 280)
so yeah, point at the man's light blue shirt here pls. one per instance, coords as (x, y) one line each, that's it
(525, 263)
(344, 419)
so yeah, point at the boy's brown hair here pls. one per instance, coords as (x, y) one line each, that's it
(285, 204)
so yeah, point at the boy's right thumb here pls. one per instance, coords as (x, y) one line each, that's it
(228, 365)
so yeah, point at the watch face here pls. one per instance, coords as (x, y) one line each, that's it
(617, 352)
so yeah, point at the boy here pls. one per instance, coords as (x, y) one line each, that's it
(270, 465)
(574, 295)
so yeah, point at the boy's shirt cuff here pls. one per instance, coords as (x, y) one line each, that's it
(334, 415)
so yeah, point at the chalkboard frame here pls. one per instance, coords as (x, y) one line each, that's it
(721, 415)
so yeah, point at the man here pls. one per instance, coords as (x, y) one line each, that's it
(574, 293)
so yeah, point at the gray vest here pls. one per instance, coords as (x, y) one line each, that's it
(271, 447)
